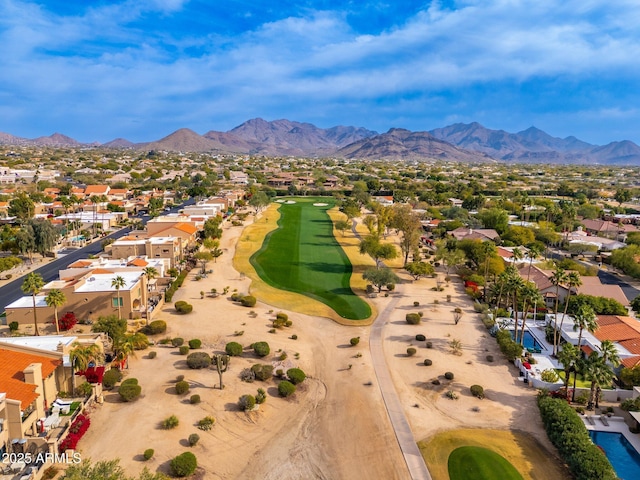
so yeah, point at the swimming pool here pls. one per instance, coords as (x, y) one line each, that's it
(621, 454)
(530, 341)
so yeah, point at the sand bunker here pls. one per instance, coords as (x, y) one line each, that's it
(320, 204)
(290, 202)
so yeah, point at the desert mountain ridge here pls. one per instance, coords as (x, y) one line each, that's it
(470, 142)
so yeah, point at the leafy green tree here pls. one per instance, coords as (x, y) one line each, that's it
(622, 195)
(495, 218)
(419, 269)
(405, 221)
(380, 277)
(56, 299)
(45, 235)
(518, 235)
(211, 228)
(81, 356)
(601, 376)
(112, 325)
(372, 246)
(342, 226)
(32, 285)
(25, 241)
(259, 201)
(203, 257)
(22, 207)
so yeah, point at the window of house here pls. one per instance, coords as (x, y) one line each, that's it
(117, 302)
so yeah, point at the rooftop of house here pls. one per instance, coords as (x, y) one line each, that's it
(12, 366)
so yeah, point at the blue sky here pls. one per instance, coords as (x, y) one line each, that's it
(141, 69)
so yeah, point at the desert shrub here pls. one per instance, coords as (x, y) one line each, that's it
(178, 305)
(195, 343)
(507, 346)
(488, 321)
(248, 301)
(184, 309)
(568, 433)
(429, 345)
(84, 389)
(182, 387)
(184, 464)
(411, 351)
(170, 422)
(282, 316)
(583, 398)
(152, 355)
(184, 350)
(247, 375)
(111, 377)
(148, 453)
(448, 375)
(354, 341)
(194, 400)
(13, 326)
(179, 378)
(452, 395)
(420, 338)
(294, 337)
(261, 349)
(156, 327)
(140, 341)
(176, 342)
(262, 372)
(286, 388)
(261, 396)
(130, 381)
(130, 392)
(233, 349)
(283, 356)
(416, 304)
(206, 423)
(197, 360)
(421, 314)
(165, 341)
(412, 318)
(247, 402)
(428, 362)
(489, 358)
(193, 439)
(631, 404)
(288, 323)
(52, 471)
(296, 376)
(435, 381)
(477, 391)
(236, 297)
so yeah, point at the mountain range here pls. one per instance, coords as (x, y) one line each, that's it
(458, 142)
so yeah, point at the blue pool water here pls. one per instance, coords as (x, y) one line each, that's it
(529, 340)
(77, 238)
(621, 454)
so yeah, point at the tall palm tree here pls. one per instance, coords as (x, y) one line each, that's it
(534, 252)
(568, 357)
(530, 296)
(558, 277)
(56, 298)
(118, 283)
(124, 346)
(32, 285)
(514, 286)
(80, 358)
(585, 317)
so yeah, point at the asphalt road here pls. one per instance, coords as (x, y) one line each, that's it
(49, 270)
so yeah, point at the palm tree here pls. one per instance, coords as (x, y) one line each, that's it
(530, 296)
(600, 374)
(118, 283)
(585, 317)
(488, 249)
(32, 284)
(56, 298)
(514, 286)
(609, 353)
(573, 282)
(558, 277)
(568, 357)
(80, 358)
(534, 252)
(124, 346)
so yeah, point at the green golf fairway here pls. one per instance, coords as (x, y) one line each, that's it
(477, 463)
(303, 256)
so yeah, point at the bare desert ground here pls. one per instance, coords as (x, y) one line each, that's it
(336, 425)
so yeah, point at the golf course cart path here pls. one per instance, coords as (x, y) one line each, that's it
(415, 463)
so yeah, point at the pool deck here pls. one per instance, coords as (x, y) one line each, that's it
(612, 424)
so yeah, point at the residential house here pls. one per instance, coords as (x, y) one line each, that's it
(483, 234)
(89, 296)
(168, 248)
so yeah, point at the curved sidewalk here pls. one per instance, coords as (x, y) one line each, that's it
(412, 456)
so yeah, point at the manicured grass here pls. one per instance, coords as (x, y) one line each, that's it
(303, 256)
(479, 463)
(580, 382)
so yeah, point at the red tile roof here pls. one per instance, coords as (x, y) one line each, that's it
(12, 366)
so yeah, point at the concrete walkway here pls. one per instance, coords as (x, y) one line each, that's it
(415, 463)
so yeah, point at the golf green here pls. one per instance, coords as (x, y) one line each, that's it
(477, 463)
(303, 256)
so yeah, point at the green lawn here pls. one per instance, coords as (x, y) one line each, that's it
(303, 256)
(477, 463)
(580, 382)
